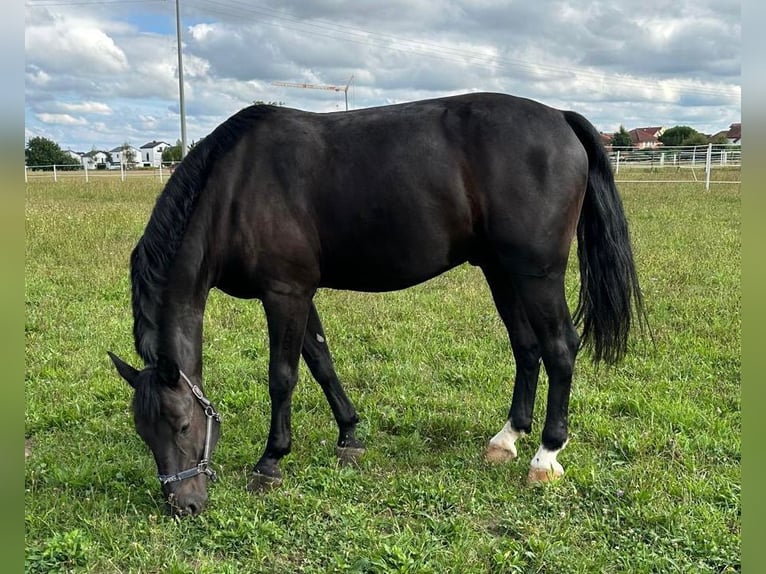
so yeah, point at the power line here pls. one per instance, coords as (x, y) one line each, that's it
(45, 3)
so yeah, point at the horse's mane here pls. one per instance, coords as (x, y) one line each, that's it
(146, 401)
(155, 252)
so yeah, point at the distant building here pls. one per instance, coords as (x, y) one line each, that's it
(733, 134)
(129, 156)
(151, 153)
(644, 138)
(95, 158)
(75, 155)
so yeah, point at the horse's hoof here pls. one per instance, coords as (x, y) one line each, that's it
(498, 455)
(541, 475)
(349, 455)
(261, 483)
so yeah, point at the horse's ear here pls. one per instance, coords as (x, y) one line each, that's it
(167, 371)
(126, 371)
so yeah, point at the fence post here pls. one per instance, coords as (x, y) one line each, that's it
(25, 175)
(708, 166)
(55, 177)
(160, 172)
(617, 163)
(85, 165)
(122, 171)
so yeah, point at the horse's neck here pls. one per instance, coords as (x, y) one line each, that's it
(182, 335)
(174, 330)
(170, 291)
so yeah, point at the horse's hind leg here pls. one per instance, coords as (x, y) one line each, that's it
(286, 316)
(316, 353)
(526, 352)
(546, 308)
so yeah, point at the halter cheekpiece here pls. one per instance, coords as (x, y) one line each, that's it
(203, 466)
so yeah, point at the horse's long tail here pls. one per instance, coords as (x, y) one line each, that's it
(610, 298)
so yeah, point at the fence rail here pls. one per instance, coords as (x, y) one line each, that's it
(696, 163)
(709, 164)
(68, 172)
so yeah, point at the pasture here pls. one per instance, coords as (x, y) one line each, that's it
(652, 479)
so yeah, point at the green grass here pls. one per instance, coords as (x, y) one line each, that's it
(652, 478)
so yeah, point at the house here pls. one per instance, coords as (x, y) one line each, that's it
(606, 140)
(126, 155)
(75, 155)
(94, 159)
(646, 138)
(733, 134)
(151, 153)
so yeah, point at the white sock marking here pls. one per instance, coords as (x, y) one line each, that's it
(506, 438)
(320, 338)
(545, 460)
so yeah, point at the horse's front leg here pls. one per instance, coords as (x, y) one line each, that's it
(286, 316)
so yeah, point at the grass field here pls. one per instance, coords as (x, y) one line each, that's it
(652, 478)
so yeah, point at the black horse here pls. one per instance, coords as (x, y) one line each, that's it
(276, 203)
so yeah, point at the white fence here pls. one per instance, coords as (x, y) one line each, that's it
(696, 160)
(697, 163)
(57, 172)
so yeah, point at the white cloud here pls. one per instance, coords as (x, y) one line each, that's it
(87, 108)
(61, 119)
(37, 77)
(68, 44)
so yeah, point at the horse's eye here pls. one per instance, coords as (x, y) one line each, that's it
(185, 429)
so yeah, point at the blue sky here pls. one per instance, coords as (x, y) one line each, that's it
(103, 72)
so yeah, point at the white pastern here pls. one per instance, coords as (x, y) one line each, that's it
(506, 438)
(545, 460)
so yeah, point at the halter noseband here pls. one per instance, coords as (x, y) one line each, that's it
(203, 466)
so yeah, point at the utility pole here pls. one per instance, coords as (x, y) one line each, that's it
(181, 81)
(343, 89)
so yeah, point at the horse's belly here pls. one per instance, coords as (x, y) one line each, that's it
(378, 270)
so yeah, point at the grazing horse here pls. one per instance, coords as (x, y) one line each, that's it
(276, 203)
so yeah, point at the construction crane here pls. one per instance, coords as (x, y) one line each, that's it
(343, 89)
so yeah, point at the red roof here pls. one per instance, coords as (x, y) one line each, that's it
(643, 135)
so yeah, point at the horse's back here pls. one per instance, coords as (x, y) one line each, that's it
(383, 198)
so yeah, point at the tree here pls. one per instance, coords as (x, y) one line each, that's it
(127, 154)
(696, 139)
(621, 138)
(172, 153)
(681, 135)
(41, 151)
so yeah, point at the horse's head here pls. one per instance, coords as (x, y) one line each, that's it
(180, 426)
